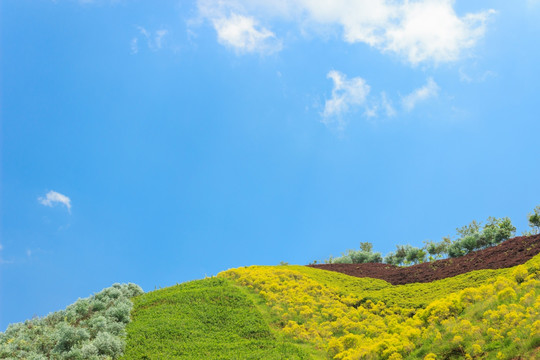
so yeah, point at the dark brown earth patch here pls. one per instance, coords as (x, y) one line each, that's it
(512, 252)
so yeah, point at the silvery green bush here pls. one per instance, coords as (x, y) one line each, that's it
(474, 236)
(89, 329)
(362, 256)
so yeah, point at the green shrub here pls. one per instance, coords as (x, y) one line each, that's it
(67, 337)
(361, 256)
(470, 242)
(391, 259)
(456, 249)
(534, 222)
(108, 345)
(91, 328)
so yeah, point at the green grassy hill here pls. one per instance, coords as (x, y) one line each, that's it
(205, 319)
(485, 314)
(296, 312)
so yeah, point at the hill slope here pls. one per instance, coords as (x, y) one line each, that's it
(510, 253)
(300, 312)
(484, 314)
(204, 319)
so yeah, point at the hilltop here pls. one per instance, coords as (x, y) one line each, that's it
(510, 253)
(484, 305)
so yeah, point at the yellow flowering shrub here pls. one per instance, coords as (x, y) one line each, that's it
(499, 317)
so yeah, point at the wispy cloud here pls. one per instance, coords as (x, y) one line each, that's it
(387, 107)
(422, 31)
(380, 106)
(53, 198)
(467, 78)
(347, 94)
(430, 90)
(245, 35)
(2, 260)
(134, 45)
(28, 255)
(158, 38)
(155, 40)
(352, 94)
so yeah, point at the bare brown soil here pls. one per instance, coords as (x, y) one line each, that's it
(510, 253)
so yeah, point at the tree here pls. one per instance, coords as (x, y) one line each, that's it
(472, 228)
(456, 250)
(391, 259)
(415, 255)
(366, 246)
(470, 242)
(474, 236)
(534, 222)
(497, 231)
(437, 250)
(401, 253)
(362, 257)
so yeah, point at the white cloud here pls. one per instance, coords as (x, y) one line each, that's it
(349, 95)
(465, 77)
(380, 105)
(134, 45)
(430, 30)
(386, 104)
(53, 198)
(418, 31)
(244, 35)
(155, 40)
(144, 32)
(346, 95)
(158, 39)
(430, 90)
(371, 112)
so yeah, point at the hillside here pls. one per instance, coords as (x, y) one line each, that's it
(205, 319)
(510, 253)
(483, 314)
(482, 306)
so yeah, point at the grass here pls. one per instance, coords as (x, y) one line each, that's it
(298, 312)
(205, 319)
(417, 295)
(523, 344)
(484, 314)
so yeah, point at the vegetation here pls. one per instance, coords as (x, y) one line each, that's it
(299, 312)
(499, 320)
(205, 319)
(479, 313)
(534, 222)
(296, 312)
(410, 296)
(471, 237)
(364, 255)
(474, 237)
(91, 328)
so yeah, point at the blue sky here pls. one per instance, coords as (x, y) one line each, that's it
(157, 143)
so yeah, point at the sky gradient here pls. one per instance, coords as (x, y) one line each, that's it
(158, 144)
